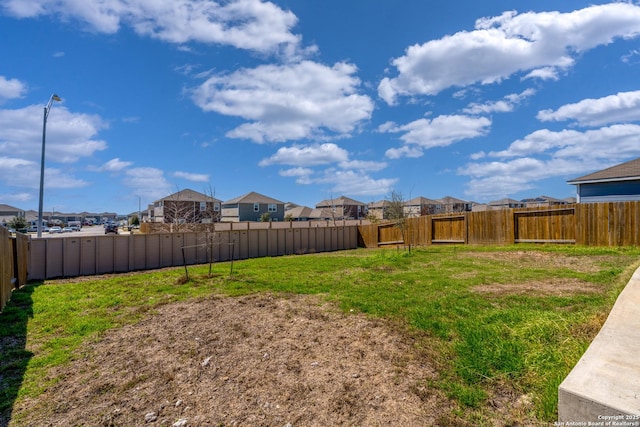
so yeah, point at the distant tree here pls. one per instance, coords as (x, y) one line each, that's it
(178, 212)
(18, 223)
(396, 213)
(210, 216)
(265, 217)
(288, 217)
(333, 209)
(134, 220)
(372, 218)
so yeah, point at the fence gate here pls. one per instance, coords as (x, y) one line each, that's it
(449, 229)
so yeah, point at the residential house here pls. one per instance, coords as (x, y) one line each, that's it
(615, 184)
(8, 213)
(323, 214)
(543, 201)
(344, 208)
(186, 206)
(297, 213)
(252, 207)
(507, 203)
(420, 206)
(378, 210)
(450, 204)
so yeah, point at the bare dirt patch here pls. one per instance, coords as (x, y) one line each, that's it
(551, 287)
(546, 259)
(250, 361)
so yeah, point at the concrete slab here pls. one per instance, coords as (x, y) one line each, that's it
(604, 386)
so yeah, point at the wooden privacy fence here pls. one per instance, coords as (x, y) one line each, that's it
(13, 263)
(88, 255)
(592, 224)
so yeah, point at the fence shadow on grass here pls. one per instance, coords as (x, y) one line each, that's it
(14, 357)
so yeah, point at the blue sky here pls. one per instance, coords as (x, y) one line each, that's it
(308, 100)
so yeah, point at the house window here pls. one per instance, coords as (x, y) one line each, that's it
(216, 207)
(256, 207)
(273, 207)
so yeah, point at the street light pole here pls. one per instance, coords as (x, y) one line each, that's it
(53, 97)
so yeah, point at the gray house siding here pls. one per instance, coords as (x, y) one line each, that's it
(248, 211)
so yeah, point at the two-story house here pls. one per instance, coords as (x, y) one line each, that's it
(186, 206)
(344, 208)
(252, 207)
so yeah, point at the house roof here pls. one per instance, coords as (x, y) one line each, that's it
(321, 213)
(421, 201)
(252, 197)
(622, 172)
(7, 208)
(505, 201)
(448, 199)
(299, 212)
(340, 201)
(379, 204)
(543, 199)
(189, 195)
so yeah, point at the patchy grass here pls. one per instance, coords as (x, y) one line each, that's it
(493, 319)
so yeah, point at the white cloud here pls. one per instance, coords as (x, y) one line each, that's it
(70, 136)
(21, 173)
(312, 155)
(356, 183)
(498, 47)
(195, 177)
(302, 175)
(363, 165)
(505, 105)
(629, 56)
(546, 154)
(440, 131)
(613, 142)
(246, 24)
(114, 165)
(544, 73)
(148, 181)
(618, 108)
(17, 197)
(287, 102)
(11, 88)
(404, 151)
(346, 176)
(296, 172)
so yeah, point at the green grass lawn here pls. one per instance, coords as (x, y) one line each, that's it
(491, 317)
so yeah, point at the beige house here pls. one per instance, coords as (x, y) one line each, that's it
(420, 206)
(344, 208)
(450, 204)
(186, 206)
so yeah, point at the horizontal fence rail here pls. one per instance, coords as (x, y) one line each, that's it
(90, 255)
(589, 224)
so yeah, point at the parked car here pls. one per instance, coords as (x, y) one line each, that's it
(110, 228)
(55, 229)
(67, 229)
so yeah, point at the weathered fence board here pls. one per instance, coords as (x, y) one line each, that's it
(13, 263)
(6, 267)
(591, 224)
